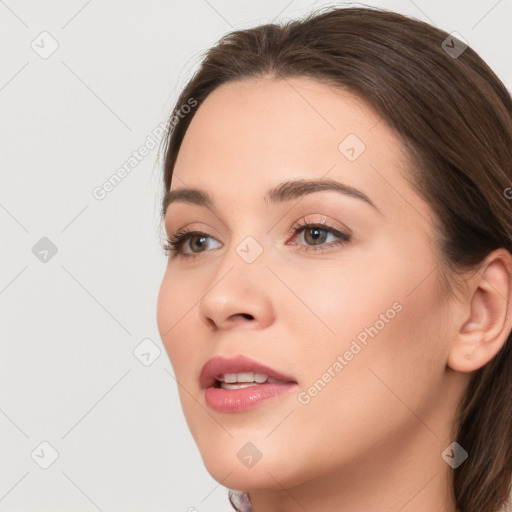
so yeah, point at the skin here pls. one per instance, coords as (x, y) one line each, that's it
(372, 438)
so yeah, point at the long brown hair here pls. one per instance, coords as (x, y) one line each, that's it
(455, 117)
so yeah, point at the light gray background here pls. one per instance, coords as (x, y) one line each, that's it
(69, 326)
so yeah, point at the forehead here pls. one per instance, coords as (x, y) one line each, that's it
(283, 114)
(248, 136)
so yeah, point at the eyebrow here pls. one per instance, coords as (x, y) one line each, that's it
(283, 192)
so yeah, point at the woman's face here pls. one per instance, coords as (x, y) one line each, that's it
(348, 317)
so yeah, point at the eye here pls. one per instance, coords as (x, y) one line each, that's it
(181, 239)
(314, 234)
(317, 234)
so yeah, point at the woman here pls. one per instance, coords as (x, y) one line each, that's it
(335, 303)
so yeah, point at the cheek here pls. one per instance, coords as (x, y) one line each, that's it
(387, 321)
(369, 402)
(175, 306)
(334, 300)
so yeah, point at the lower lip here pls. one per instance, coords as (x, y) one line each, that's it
(238, 400)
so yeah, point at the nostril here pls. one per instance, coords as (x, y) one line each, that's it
(247, 316)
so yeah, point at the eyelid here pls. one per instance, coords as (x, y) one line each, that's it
(335, 225)
(305, 220)
(194, 226)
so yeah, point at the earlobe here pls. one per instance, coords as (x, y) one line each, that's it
(487, 326)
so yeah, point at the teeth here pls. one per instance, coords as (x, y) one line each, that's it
(260, 377)
(223, 385)
(242, 380)
(245, 377)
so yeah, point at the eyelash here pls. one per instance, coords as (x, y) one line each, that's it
(176, 242)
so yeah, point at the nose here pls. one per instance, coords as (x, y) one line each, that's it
(238, 296)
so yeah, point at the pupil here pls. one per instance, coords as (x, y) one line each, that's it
(317, 236)
(200, 240)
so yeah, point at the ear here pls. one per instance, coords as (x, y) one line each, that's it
(485, 329)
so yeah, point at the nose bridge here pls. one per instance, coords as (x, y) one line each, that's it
(245, 245)
(243, 263)
(238, 290)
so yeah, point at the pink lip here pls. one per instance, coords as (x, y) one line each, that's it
(237, 400)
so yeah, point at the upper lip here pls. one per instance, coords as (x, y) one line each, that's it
(218, 365)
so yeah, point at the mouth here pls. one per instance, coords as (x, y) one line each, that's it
(239, 383)
(243, 380)
(239, 371)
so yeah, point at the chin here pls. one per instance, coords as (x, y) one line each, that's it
(241, 478)
(273, 471)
